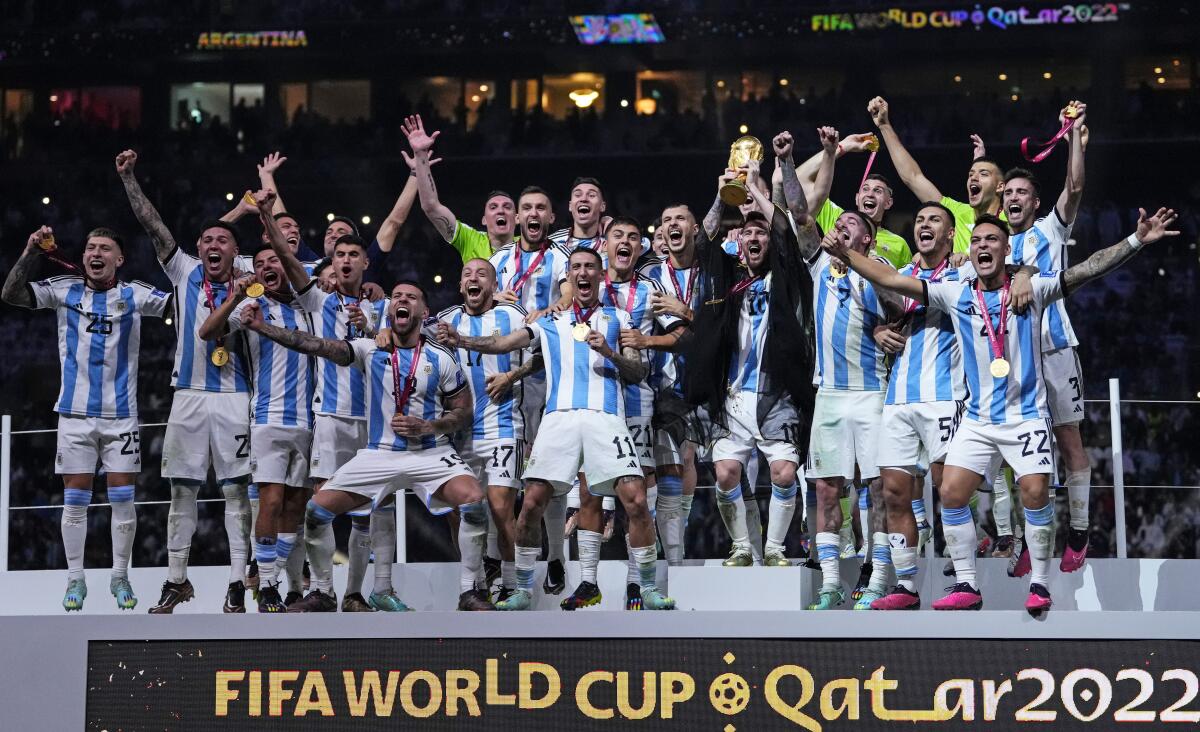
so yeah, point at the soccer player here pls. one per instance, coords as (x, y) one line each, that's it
(417, 398)
(584, 426)
(1006, 413)
(340, 426)
(99, 330)
(209, 421)
(626, 290)
(1042, 243)
(587, 208)
(984, 180)
(281, 413)
(499, 210)
(494, 446)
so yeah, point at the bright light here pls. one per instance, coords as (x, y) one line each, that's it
(743, 129)
(957, 79)
(167, 320)
(783, 82)
(329, 217)
(45, 200)
(483, 88)
(1161, 80)
(1014, 97)
(1157, 70)
(1174, 62)
(1047, 75)
(366, 219)
(1162, 272)
(475, 98)
(228, 196)
(650, 229)
(720, 83)
(54, 97)
(437, 279)
(583, 97)
(1003, 77)
(647, 105)
(624, 102)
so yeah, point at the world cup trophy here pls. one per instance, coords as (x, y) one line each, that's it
(741, 152)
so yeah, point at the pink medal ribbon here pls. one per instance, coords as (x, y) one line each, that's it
(410, 382)
(612, 293)
(687, 288)
(1048, 146)
(521, 277)
(1000, 366)
(913, 304)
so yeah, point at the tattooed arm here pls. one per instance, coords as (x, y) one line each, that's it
(1149, 230)
(145, 212)
(628, 362)
(494, 344)
(460, 411)
(498, 385)
(419, 163)
(16, 285)
(338, 351)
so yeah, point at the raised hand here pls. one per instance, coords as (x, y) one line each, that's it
(835, 245)
(418, 139)
(263, 200)
(125, 162)
(34, 244)
(633, 338)
(371, 292)
(1152, 228)
(878, 109)
(855, 143)
(271, 163)
(1080, 109)
(829, 139)
(252, 316)
(446, 334)
(783, 144)
(980, 149)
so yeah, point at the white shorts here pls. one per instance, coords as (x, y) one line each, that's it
(643, 439)
(845, 431)
(207, 428)
(378, 474)
(1025, 446)
(496, 462)
(741, 417)
(82, 441)
(334, 441)
(597, 443)
(279, 454)
(917, 434)
(666, 450)
(1064, 386)
(533, 402)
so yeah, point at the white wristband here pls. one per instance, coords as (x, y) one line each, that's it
(1133, 242)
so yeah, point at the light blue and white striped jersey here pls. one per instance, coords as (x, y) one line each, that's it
(492, 420)
(929, 369)
(281, 379)
(1044, 245)
(194, 368)
(541, 289)
(746, 367)
(686, 281)
(639, 398)
(567, 243)
(438, 377)
(576, 376)
(98, 337)
(339, 389)
(845, 312)
(1021, 395)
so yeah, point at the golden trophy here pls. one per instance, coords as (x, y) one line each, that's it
(741, 152)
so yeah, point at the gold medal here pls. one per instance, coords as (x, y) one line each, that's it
(836, 273)
(220, 356)
(255, 290)
(1071, 112)
(872, 143)
(580, 332)
(250, 199)
(999, 367)
(47, 243)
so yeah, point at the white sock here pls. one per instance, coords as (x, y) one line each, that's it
(295, 560)
(383, 546)
(668, 515)
(237, 527)
(631, 565)
(754, 529)
(959, 530)
(266, 551)
(733, 513)
(685, 506)
(904, 558)
(647, 561)
(1039, 537)
(318, 542)
(779, 515)
(526, 562)
(1002, 504)
(359, 553)
(881, 561)
(508, 574)
(74, 528)
(181, 525)
(285, 546)
(493, 537)
(122, 527)
(472, 540)
(827, 554)
(589, 553)
(555, 518)
(252, 496)
(1079, 489)
(864, 520)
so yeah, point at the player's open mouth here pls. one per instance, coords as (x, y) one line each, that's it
(755, 248)
(501, 222)
(213, 258)
(583, 209)
(533, 227)
(675, 234)
(925, 235)
(1014, 209)
(270, 279)
(985, 258)
(401, 313)
(293, 240)
(869, 204)
(474, 290)
(974, 189)
(583, 286)
(96, 265)
(346, 269)
(624, 253)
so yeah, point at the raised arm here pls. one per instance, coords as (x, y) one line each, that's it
(824, 180)
(420, 163)
(145, 212)
(217, 323)
(266, 178)
(793, 194)
(1149, 230)
(877, 273)
(1068, 201)
(514, 341)
(397, 216)
(712, 219)
(338, 351)
(906, 167)
(16, 285)
(296, 275)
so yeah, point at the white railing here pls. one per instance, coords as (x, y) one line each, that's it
(1118, 471)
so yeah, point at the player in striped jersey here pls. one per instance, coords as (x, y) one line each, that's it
(587, 208)
(984, 180)
(99, 330)
(280, 417)
(494, 446)
(499, 208)
(922, 407)
(1006, 413)
(851, 377)
(416, 398)
(632, 294)
(1042, 243)
(209, 421)
(340, 406)
(584, 426)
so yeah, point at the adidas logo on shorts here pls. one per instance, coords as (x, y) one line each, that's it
(505, 474)
(1045, 461)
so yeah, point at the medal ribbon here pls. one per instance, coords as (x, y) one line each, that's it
(350, 332)
(403, 393)
(995, 340)
(912, 304)
(612, 293)
(580, 316)
(521, 277)
(691, 283)
(212, 306)
(52, 255)
(743, 286)
(1048, 146)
